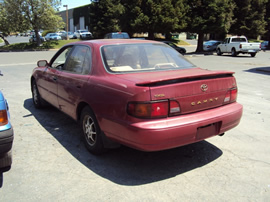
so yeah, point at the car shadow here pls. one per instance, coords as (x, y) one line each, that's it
(238, 56)
(260, 70)
(124, 166)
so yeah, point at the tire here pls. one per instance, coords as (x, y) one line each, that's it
(252, 54)
(234, 53)
(5, 162)
(91, 132)
(219, 52)
(37, 99)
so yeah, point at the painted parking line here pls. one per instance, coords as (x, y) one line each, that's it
(16, 64)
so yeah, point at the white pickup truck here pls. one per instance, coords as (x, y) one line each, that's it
(238, 44)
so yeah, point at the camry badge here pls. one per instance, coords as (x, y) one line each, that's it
(204, 87)
(159, 95)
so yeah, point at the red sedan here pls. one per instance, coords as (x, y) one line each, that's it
(138, 93)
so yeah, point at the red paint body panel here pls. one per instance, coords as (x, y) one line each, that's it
(203, 113)
(173, 132)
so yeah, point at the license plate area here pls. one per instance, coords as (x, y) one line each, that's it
(208, 131)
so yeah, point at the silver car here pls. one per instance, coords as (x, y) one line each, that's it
(210, 45)
(83, 34)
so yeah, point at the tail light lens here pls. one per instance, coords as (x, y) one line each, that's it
(240, 46)
(3, 117)
(160, 109)
(231, 96)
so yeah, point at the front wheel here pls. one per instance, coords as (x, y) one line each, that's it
(91, 132)
(219, 52)
(37, 99)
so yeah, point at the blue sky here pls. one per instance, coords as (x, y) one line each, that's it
(73, 3)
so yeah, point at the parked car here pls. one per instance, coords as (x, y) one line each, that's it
(71, 35)
(117, 35)
(83, 34)
(238, 44)
(211, 45)
(61, 32)
(264, 45)
(52, 36)
(6, 135)
(173, 45)
(138, 93)
(34, 39)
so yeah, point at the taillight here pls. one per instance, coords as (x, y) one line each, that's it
(155, 109)
(174, 107)
(240, 46)
(3, 117)
(148, 110)
(230, 96)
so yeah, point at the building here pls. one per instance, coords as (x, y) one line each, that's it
(78, 18)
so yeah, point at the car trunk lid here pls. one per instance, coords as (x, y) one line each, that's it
(194, 89)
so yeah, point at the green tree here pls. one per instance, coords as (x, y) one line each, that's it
(267, 18)
(4, 22)
(249, 18)
(209, 16)
(159, 16)
(33, 14)
(104, 17)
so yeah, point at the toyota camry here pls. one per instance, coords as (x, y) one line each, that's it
(139, 93)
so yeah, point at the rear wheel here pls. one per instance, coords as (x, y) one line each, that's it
(37, 99)
(234, 53)
(91, 132)
(252, 54)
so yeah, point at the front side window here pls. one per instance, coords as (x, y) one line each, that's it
(60, 60)
(125, 58)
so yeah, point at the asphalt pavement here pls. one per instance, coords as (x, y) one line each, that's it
(50, 162)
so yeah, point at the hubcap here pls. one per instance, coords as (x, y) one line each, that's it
(89, 130)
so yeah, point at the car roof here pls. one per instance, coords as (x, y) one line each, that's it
(101, 42)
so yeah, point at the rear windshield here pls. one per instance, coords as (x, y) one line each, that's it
(239, 40)
(126, 58)
(210, 43)
(120, 36)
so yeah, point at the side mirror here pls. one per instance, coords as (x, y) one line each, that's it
(42, 63)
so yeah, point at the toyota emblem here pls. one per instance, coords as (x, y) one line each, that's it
(204, 87)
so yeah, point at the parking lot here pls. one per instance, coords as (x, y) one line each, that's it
(50, 162)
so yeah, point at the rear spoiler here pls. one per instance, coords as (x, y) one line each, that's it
(180, 78)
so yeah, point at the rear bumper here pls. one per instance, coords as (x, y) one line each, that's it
(177, 131)
(249, 50)
(6, 140)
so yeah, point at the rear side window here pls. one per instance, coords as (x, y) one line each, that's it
(126, 58)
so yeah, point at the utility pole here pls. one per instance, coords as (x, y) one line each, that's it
(67, 19)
